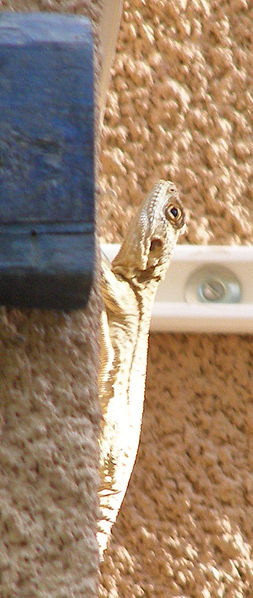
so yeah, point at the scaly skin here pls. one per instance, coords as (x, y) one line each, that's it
(129, 285)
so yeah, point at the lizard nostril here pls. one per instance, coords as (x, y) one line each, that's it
(155, 244)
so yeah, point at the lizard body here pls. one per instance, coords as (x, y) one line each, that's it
(128, 288)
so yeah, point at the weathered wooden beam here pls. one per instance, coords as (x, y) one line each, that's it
(46, 160)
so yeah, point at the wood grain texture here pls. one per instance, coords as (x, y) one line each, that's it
(46, 160)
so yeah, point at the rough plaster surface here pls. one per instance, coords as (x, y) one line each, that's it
(180, 106)
(49, 428)
(88, 8)
(48, 454)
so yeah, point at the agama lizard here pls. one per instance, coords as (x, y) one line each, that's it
(128, 287)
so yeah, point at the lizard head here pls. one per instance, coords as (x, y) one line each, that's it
(153, 232)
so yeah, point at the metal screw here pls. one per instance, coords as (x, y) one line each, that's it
(212, 290)
(213, 284)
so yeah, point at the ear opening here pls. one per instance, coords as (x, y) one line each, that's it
(155, 245)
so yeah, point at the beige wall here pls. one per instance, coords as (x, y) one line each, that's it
(180, 107)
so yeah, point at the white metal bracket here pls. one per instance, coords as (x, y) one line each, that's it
(208, 288)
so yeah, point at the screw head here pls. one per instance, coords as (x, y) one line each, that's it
(212, 290)
(213, 284)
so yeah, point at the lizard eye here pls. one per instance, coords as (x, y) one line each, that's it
(175, 215)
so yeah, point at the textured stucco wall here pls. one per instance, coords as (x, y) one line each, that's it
(180, 107)
(49, 427)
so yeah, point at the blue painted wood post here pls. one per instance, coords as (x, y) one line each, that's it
(46, 160)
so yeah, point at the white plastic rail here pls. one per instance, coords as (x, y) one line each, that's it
(178, 306)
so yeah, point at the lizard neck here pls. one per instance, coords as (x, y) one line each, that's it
(144, 296)
(129, 342)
